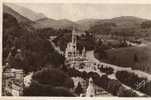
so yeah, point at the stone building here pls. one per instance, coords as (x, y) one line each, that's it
(13, 82)
(91, 89)
(72, 53)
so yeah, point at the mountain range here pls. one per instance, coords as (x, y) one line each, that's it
(33, 16)
(20, 18)
(40, 21)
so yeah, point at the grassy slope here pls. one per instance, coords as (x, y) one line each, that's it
(135, 57)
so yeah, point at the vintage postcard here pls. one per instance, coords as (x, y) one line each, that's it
(60, 49)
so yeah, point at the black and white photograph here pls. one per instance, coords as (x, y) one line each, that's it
(76, 49)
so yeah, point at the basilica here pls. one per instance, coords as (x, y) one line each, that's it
(72, 53)
(79, 61)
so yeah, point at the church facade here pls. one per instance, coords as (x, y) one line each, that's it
(72, 53)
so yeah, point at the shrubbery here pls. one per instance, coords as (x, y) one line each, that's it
(36, 50)
(146, 24)
(79, 89)
(53, 77)
(37, 89)
(111, 85)
(50, 82)
(134, 81)
(107, 70)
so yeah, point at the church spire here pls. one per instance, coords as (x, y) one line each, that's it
(83, 52)
(90, 90)
(74, 36)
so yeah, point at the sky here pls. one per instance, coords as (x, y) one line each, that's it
(76, 11)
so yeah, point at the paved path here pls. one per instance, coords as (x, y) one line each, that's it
(57, 48)
(91, 57)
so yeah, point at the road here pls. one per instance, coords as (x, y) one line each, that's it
(57, 48)
(91, 57)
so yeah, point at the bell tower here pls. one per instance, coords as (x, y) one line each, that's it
(74, 38)
(71, 50)
(90, 90)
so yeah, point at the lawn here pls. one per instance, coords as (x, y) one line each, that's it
(134, 57)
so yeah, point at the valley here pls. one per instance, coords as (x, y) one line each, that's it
(87, 57)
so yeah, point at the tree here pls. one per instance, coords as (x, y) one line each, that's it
(102, 28)
(79, 89)
(136, 60)
(146, 24)
(50, 82)
(53, 77)
(10, 31)
(37, 51)
(37, 89)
